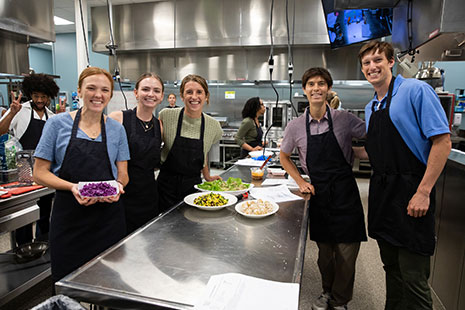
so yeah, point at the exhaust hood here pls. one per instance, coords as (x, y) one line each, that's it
(220, 40)
(438, 29)
(23, 22)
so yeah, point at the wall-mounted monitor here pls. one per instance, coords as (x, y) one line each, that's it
(347, 27)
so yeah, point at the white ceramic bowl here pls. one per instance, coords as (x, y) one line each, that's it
(277, 171)
(260, 153)
(239, 192)
(189, 199)
(239, 207)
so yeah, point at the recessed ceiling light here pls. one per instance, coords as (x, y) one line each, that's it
(61, 21)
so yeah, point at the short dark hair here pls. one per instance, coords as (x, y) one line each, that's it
(317, 71)
(40, 83)
(376, 46)
(251, 108)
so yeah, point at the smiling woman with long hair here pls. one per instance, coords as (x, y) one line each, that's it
(188, 134)
(144, 137)
(83, 145)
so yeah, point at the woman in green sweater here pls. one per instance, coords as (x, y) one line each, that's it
(250, 134)
(188, 135)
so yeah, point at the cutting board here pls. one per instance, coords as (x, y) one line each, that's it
(18, 190)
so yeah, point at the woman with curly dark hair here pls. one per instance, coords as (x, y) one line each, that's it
(26, 122)
(249, 136)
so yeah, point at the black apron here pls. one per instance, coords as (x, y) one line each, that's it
(31, 136)
(181, 170)
(79, 233)
(254, 143)
(29, 141)
(397, 172)
(335, 212)
(140, 199)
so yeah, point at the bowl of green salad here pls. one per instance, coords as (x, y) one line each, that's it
(233, 186)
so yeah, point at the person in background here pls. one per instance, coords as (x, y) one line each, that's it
(188, 135)
(250, 133)
(172, 101)
(83, 145)
(408, 142)
(26, 122)
(323, 139)
(333, 100)
(143, 131)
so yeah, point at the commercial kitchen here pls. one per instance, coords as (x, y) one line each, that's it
(168, 262)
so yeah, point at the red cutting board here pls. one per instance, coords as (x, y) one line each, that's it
(18, 190)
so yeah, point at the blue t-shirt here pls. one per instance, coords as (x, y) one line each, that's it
(416, 112)
(57, 133)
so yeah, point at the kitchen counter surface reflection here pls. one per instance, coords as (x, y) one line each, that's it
(168, 262)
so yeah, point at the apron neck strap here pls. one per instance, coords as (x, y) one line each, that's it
(180, 118)
(32, 111)
(307, 118)
(76, 126)
(389, 95)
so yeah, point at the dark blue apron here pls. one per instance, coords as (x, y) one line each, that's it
(181, 170)
(335, 212)
(140, 199)
(397, 172)
(79, 233)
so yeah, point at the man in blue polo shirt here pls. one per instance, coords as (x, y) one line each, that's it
(408, 142)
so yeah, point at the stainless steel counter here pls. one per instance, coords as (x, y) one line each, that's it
(168, 262)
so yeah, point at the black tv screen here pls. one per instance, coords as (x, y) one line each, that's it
(347, 27)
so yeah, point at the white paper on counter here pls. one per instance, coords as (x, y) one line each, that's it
(233, 291)
(270, 182)
(276, 193)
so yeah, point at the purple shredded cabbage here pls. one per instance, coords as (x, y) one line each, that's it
(100, 189)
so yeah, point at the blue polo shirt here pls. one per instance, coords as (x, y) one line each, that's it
(416, 112)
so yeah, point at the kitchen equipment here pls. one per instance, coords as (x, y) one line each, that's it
(277, 116)
(264, 163)
(27, 252)
(17, 190)
(24, 164)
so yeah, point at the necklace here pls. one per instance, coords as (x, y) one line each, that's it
(146, 125)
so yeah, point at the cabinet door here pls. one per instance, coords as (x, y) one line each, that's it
(450, 251)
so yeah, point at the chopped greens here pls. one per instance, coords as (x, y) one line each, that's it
(232, 184)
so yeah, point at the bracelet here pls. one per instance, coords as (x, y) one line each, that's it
(120, 182)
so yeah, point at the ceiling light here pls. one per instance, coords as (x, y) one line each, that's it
(61, 21)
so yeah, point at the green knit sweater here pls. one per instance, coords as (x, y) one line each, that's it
(190, 129)
(247, 132)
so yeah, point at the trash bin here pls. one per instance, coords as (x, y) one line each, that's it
(59, 302)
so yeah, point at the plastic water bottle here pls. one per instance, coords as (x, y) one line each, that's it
(75, 101)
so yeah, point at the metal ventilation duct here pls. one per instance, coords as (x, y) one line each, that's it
(221, 40)
(438, 29)
(23, 22)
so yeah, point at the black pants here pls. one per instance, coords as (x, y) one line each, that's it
(407, 276)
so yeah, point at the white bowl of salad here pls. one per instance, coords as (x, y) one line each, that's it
(233, 186)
